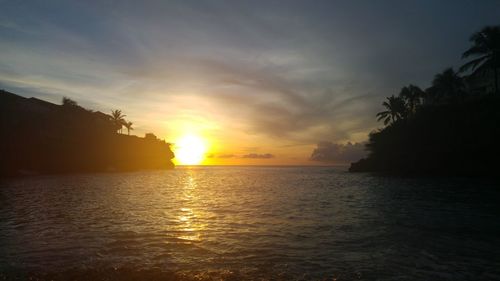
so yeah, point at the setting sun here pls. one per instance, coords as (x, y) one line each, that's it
(189, 150)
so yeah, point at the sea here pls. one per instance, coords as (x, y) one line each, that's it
(248, 223)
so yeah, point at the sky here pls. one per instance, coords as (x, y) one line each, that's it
(261, 82)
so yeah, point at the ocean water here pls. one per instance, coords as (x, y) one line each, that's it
(248, 223)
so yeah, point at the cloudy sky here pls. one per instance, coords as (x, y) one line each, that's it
(264, 82)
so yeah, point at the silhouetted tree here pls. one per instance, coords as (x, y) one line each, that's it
(446, 86)
(413, 96)
(118, 119)
(442, 136)
(396, 110)
(69, 102)
(128, 125)
(486, 49)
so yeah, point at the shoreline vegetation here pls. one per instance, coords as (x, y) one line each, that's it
(451, 128)
(39, 137)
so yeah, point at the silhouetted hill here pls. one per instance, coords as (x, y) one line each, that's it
(41, 137)
(448, 139)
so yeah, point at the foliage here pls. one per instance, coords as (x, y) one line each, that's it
(445, 129)
(42, 137)
(129, 127)
(412, 95)
(69, 102)
(486, 50)
(447, 86)
(455, 138)
(396, 110)
(118, 119)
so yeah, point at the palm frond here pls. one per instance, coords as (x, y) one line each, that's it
(382, 115)
(473, 64)
(475, 50)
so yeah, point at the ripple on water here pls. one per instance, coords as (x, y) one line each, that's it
(239, 223)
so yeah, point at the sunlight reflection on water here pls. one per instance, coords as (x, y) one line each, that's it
(249, 223)
(188, 224)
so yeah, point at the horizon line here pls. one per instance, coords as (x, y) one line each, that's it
(260, 165)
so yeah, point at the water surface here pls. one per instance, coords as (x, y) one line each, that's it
(234, 223)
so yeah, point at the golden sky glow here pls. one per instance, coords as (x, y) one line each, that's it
(257, 86)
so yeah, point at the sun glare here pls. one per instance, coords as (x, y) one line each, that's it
(189, 150)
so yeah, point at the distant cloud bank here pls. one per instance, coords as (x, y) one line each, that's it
(246, 156)
(339, 153)
(259, 156)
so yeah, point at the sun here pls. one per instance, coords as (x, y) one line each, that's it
(190, 150)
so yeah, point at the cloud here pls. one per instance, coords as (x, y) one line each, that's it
(225, 156)
(272, 103)
(312, 71)
(338, 153)
(258, 156)
(246, 156)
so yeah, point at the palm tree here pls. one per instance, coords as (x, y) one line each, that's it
(118, 119)
(486, 49)
(413, 97)
(396, 110)
(128, 125)
(447, 86)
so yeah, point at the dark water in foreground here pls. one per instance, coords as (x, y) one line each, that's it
(249, 223)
